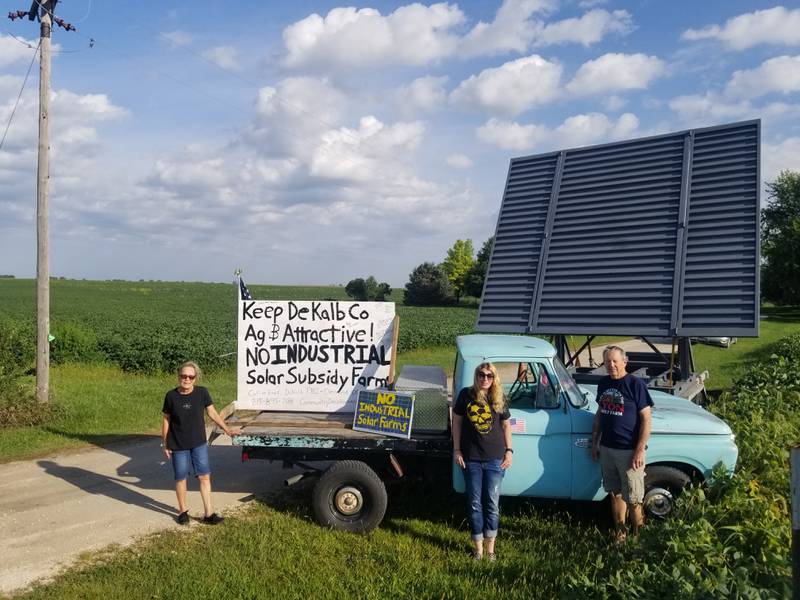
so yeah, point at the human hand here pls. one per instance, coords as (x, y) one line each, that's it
(459, 459)
(595, 452)
(233, 431)
(167, 453)
(637, 462)
(507, 458)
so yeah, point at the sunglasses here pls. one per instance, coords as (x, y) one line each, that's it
(482, 375)
(185, 376)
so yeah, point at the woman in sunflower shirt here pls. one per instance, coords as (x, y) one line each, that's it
(482, 448)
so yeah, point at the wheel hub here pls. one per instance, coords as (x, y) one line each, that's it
(348, 500)
(658, 501)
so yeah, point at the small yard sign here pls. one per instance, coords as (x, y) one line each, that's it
(312, 356)
(385, 412)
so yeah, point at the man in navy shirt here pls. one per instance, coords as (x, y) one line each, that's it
(619, 438)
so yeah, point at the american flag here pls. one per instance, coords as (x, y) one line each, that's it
(517, 425)
(243, 289)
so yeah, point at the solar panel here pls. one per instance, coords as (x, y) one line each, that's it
(656, 236)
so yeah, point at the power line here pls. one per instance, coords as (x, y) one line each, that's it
(16, 104)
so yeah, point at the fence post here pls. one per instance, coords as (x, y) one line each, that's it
(794, 460)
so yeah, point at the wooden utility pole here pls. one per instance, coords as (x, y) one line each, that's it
(44, 10)
(42, 206)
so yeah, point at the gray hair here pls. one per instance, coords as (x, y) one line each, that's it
(612, 349)
(194, 366)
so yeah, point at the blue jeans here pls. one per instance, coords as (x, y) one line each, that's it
(197, 457)
(483, 479)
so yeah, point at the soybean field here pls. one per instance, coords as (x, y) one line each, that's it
(151, 326)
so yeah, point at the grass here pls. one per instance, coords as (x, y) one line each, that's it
(102, 404)
(273, 549)
(725, 365)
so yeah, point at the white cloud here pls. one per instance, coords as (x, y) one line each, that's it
(588, 29)
(511, 88)
(419, 35)
(577, 130)
(224, 57)
(773, 26)
(780, 74)
(511, 31)
(373, 150)
(13, 50)
(177, 38)
(291, 118)
(412, 35)
(189, 175)
(615, 72)
(424, 93)
(696, 110)
(459, 161)
(779, 156)
(509, 135)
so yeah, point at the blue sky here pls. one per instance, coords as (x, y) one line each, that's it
(316, 142)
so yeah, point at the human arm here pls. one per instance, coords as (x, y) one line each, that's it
(509, 452)
(457, 454)
(214, 416)
(645, 425)
(164, 435)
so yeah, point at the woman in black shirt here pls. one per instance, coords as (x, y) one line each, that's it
(183, 435)
(482, 448)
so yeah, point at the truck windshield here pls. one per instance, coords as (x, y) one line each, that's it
(568, 384)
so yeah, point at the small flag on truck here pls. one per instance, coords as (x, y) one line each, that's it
(243, 289)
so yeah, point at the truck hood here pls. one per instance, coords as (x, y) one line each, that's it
(673, 415)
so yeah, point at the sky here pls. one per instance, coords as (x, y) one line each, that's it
(317, 142)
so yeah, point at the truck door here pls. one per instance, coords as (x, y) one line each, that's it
(541, 432)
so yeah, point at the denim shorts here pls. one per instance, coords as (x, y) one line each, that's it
(197, 457)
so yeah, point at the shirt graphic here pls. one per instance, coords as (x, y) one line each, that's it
(612, 403)
(480, 416)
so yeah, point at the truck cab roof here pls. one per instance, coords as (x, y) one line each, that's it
(483, 346)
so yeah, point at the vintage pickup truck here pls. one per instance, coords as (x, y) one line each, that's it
(551, 422)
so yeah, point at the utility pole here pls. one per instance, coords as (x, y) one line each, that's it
(42, 211)
(44, 10)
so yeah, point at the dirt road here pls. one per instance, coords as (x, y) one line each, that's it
(52, 509)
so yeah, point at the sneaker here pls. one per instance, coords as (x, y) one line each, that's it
(183, 518)
(476, 555)
(491, 557)
(213, 519)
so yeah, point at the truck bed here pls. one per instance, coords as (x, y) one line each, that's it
(322, 436)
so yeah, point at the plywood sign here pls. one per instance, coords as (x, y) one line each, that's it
(312, 356)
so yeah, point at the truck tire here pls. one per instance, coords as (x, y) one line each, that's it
(662, 485)
(349, 496)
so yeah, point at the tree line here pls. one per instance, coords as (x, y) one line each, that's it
(461, 273)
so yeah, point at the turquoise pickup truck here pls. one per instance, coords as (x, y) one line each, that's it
(551, 422)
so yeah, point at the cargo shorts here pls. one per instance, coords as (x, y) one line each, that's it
(618, 477)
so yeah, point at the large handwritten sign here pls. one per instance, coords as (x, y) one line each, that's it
(384, 411)
(311, 356)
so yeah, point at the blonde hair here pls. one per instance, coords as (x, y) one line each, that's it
(494, 395)
(193, 365)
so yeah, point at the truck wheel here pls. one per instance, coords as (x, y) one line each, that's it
(661, 486)
(349, 496)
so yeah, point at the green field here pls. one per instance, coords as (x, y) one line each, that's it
(153, 326)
